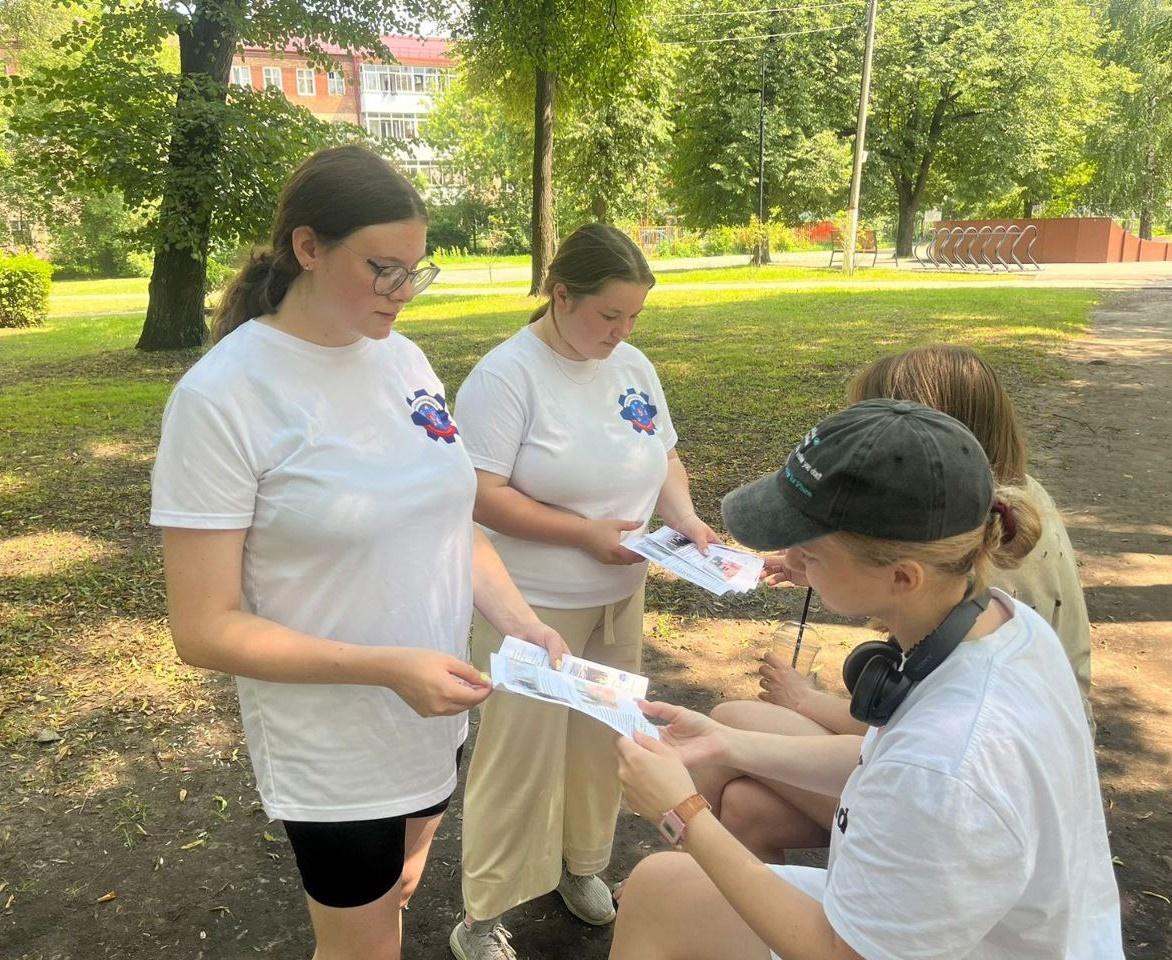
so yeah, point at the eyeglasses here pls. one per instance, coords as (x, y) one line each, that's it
(388, 279)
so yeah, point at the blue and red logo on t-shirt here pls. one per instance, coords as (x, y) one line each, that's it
(638, 410)
(430, 411)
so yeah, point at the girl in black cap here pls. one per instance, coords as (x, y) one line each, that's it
(969, 822)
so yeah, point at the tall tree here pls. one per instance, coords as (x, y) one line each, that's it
(1132, 148)
(972, 92)
(798, 65)
(531, 53)
(176, 141)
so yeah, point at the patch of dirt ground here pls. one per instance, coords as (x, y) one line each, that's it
(138, 834)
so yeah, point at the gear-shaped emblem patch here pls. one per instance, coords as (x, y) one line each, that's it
(638, 410)
(430, 411)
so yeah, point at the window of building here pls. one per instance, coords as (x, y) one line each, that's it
(394, 126)
(242, 76)
(394, 78)
(306, 83)
(337, 83)
(272, 77)
(435, 173)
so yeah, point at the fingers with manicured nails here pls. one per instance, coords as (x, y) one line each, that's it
(465, 671)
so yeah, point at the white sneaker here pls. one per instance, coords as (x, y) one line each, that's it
(484, 940)
(587, 898)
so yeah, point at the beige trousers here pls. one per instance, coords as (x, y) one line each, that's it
(543, 785)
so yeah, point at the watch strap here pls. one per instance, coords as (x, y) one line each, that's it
(686, 809)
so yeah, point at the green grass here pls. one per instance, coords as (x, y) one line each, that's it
(90, 297)
(481, 260)
(82, 626)
(784, 272)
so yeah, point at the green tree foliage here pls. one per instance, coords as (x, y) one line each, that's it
(970, 99)
(490, 154)
(1131, 152)
(201, 163)
(977, 97)
(527, 53)
(810, 87)
(92, 235)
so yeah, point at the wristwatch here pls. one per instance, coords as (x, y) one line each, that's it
(674, 824)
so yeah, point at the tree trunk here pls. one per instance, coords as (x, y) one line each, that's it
(600, 207)
(909, 205)
(761, 248)
(1145, 223)
(543, 232)
(1027, 208)
(175, 310)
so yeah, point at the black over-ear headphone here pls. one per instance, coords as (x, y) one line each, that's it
(878, 676)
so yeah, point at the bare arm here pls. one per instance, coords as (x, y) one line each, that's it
(203, 569)
(509, 511)
(781, 684)
(820, 763)
(501, 604)
(675, 505)
(791, 923)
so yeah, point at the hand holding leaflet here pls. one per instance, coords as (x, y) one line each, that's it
(720, 571)
(524, 668)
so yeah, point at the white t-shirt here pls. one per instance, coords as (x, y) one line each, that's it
(590, 436)
(357, 496)
(973, 826)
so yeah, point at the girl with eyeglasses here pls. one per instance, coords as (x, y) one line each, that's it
(316, 505)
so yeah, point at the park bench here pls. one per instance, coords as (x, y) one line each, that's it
(865, 243)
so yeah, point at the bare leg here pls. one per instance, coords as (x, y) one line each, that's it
(417, 845)
(672, 911)
(749, 715)
(756, 813)
(767, 816)
(373, 931)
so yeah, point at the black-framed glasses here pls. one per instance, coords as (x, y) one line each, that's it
(388, 279)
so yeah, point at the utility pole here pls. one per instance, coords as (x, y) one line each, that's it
(761, 254)
(852, 223)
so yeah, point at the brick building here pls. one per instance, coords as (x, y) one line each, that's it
(388, 99)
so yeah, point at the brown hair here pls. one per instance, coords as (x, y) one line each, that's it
(956, 381)
(974, 554)
(591, 257)
(335, 192)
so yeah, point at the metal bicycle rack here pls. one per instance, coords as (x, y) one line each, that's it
(964, 248)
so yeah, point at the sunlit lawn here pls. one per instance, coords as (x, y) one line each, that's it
(84, 645)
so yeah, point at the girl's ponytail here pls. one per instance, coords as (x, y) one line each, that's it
(257, 289)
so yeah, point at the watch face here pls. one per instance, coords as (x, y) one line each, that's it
(672, 828)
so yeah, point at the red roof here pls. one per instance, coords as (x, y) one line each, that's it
(410, 51)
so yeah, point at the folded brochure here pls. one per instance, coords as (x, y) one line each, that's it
(599, 691)
(722, 570)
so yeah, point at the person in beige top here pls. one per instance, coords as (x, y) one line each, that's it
(770, 817)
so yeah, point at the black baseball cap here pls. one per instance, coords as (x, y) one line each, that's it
(883, 468)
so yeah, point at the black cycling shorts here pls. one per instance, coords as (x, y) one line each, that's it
(352, 863)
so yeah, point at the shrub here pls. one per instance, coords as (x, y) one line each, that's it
(24, 290)
(722, 241)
